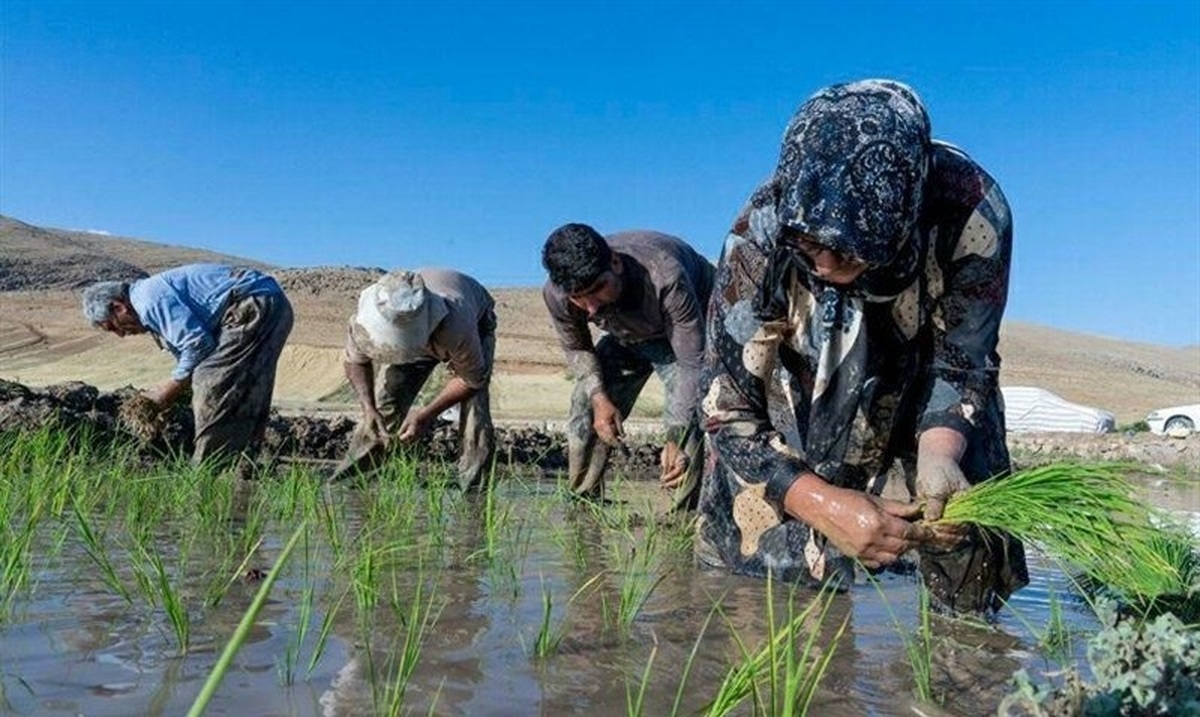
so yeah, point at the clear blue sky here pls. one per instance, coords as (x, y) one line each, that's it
(400, 134)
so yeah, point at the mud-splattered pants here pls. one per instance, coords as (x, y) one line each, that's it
(232, 387)
(400, 386)
(625, 368)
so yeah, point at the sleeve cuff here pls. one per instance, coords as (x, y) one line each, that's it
(945, 419)
(783, 475)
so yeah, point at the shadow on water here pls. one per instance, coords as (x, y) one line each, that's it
(478, 572)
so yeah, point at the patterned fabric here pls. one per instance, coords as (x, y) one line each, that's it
(839, 381)
(852, 167)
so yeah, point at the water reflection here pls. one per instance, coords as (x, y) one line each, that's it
(75, 647)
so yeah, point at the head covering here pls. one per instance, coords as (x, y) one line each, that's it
(852, 168)
(98, 297)
(851, 174)
(398, 313)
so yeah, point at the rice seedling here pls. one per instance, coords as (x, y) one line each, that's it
(323, 634)
(640, 568)
(635, 703)
(686, 672)
(93, 545)
(791, 652)
(1056, 638)
(417, 611)
(243, 629)
(14, 562)
(172, 600)
(549, 636)
(1085, 515)
(918, 643)
(217, 590)
(291, 653)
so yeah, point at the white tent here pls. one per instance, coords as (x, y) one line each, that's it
(1032, 410)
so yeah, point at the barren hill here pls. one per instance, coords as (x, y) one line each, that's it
(43, 338)
(38, 258)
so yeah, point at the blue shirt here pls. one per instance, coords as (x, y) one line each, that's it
(183, 307)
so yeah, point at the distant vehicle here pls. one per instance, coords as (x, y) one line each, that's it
(1036, 410)
(1174, 419)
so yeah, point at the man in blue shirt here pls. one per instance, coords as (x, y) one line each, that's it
(225, 327)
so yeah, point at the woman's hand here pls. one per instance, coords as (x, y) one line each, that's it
(873, 530)
(938, 474)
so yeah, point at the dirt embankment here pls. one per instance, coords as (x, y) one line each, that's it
(115, 414)
(118, 415)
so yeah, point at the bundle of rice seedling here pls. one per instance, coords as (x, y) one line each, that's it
(141, 417)
(1088, 517)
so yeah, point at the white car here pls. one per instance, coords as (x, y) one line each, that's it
(1177, 419)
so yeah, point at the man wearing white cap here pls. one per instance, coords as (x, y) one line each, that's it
(408, 322)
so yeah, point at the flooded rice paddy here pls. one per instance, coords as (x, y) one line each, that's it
(121, 585)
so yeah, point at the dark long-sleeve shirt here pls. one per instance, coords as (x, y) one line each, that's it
(930, 361)
(665, 293)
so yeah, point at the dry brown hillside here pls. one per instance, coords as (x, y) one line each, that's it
(38, 258)
(44, 340)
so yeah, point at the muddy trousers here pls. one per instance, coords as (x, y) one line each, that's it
(233, 386)
(399, 389)
(625, 368)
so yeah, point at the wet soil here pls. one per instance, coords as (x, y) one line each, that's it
(122, 413)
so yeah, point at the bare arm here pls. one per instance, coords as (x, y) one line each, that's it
(419, 420)
(362, 380)
(167, 393)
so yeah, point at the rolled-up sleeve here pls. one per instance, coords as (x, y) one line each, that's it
(576, 341)
(353, 352)
(740, 358)
(467, 359)
(685, 331)
(966, 327)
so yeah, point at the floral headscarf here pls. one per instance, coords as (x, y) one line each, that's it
(851, 175)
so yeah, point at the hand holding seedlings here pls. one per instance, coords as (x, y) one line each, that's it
(416, 424)
(674, 464)
(376, 427)
(938, 473)
(606, 419)
(874, 530)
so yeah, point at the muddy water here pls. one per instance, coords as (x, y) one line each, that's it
(73, 647)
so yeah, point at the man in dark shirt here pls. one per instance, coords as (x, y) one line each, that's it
(648, 293)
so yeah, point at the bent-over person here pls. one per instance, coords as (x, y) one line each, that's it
(226, 328)
(861, 288)
(648, 292)
(406, 324)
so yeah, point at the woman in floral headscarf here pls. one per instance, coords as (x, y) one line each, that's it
(853, 326)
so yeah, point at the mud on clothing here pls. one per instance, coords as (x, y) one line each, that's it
(465, 340)
(226, 327)
(805, 376)
(657, 324)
